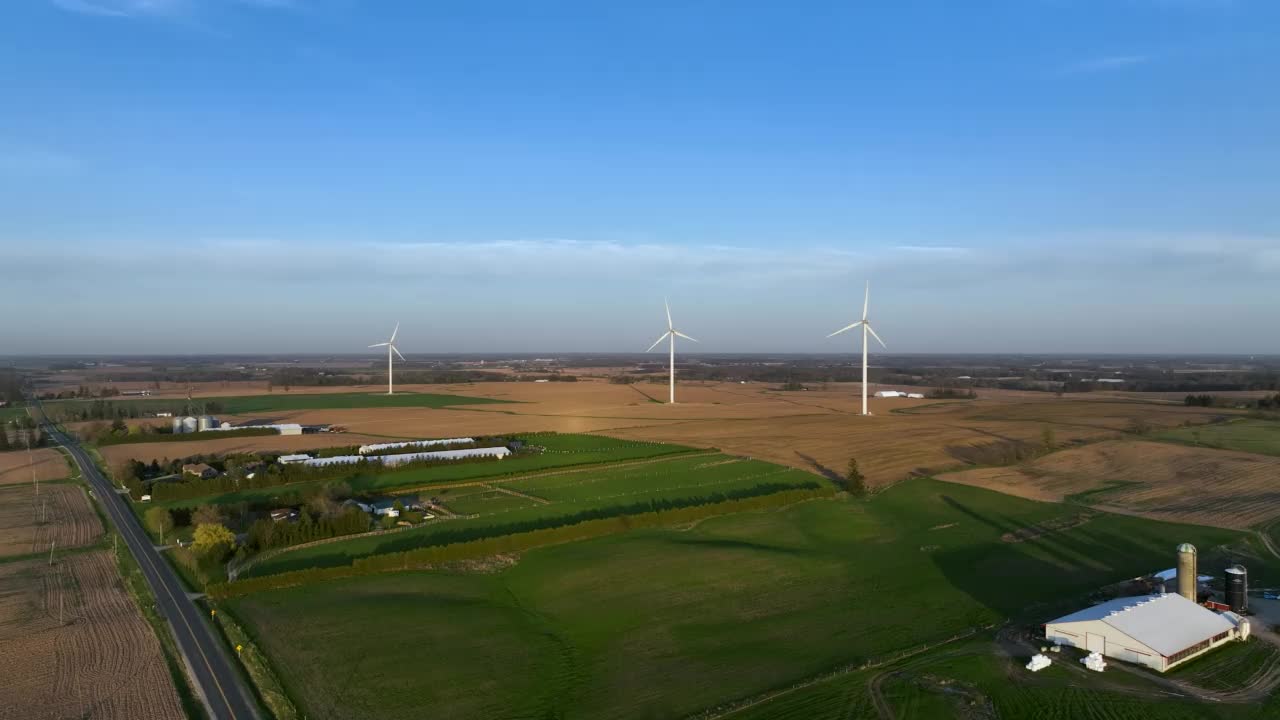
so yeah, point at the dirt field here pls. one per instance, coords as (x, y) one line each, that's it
(1156, 480)
(100, 660)
(15, 466)
(60, 514)
(818, 430)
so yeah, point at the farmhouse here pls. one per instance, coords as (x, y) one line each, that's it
(200, 470)
(1158, 631)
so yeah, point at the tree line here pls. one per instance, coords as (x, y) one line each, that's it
(455, 551)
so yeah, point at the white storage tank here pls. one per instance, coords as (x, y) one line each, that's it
(189, 424)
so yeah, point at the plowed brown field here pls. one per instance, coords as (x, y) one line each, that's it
(15, 466)
(72, 645)
(60, 514)
(1156, 480)
(817, 430)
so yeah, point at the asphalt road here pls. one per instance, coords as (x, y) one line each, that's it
(224, 692)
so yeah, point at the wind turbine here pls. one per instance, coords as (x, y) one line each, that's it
(671, 334)
(391, 348)
(866, 328)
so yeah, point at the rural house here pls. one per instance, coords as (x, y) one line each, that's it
(199, 470)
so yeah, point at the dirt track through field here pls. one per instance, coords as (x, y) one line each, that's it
(73, 645)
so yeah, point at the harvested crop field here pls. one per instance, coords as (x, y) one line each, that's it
(15, 466)
(816, 430)
(60, 516)
(1156, 480)
(72, 644)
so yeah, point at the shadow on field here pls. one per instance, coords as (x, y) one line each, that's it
(725, 544)
(1055, 569)
(821, 469)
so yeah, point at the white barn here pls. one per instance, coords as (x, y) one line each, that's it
(889, 393)
(393, 460)
(366, 449)
(1158, 631)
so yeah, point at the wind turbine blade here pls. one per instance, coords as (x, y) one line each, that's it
(845, 329)
(686, 337)
(877, 337)
(397, 352)
(866, 301)
(393, 333)
(655, 342)
(380, 345)
(670, 325)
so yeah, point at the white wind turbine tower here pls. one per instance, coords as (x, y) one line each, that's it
(671, 334)
(866, 328)
(390, 345)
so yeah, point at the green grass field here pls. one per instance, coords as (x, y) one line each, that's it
(283, 401)
(667, 622)
(567, 494)
(975, 676)
(1255, 436)
(562, 450)
(10, 413)
(479, 501)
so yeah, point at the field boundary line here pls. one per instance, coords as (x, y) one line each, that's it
(732, 708)
(515, 493)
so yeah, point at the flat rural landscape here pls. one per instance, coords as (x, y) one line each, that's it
(640, 361)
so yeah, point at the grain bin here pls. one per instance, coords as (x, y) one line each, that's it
(1237, 582)
(1187, 571)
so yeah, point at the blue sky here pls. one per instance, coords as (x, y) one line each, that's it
(297, 175)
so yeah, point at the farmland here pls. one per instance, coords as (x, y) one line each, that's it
(275, 402)
(1157, 480)
(817, 431)
(72, 644)
(16, 466)
(548, 498)
(667, 622)
(1255, 436)
(60, 516)
(560, 451)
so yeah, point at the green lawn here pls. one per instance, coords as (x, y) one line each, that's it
(568, 494)
(283, 401)
(562, 450)
(667, 622)
(9, 413)
(1255, 436)
(479, 501)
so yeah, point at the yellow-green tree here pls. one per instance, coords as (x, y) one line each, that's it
(212, 539)
(159, 519)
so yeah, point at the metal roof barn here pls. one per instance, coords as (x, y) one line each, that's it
(392, 460)
(1158, 631)
(366, 449)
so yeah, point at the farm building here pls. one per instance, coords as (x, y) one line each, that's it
(391, 460)
(284, 514)
(378, 447)
(916, 396)
(1158, 631)
(889, 393)
(199, 470)
(287, 459)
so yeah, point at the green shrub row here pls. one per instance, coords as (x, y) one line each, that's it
(471, 550)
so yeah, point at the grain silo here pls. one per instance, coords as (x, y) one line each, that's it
(1187, 571)
(1237, 582)
(206, 422)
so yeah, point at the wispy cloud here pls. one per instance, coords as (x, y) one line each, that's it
(161, 8)
(1108, 63)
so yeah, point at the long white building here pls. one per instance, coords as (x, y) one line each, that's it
(1158, 631)
(392, 460)
(378, 447)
